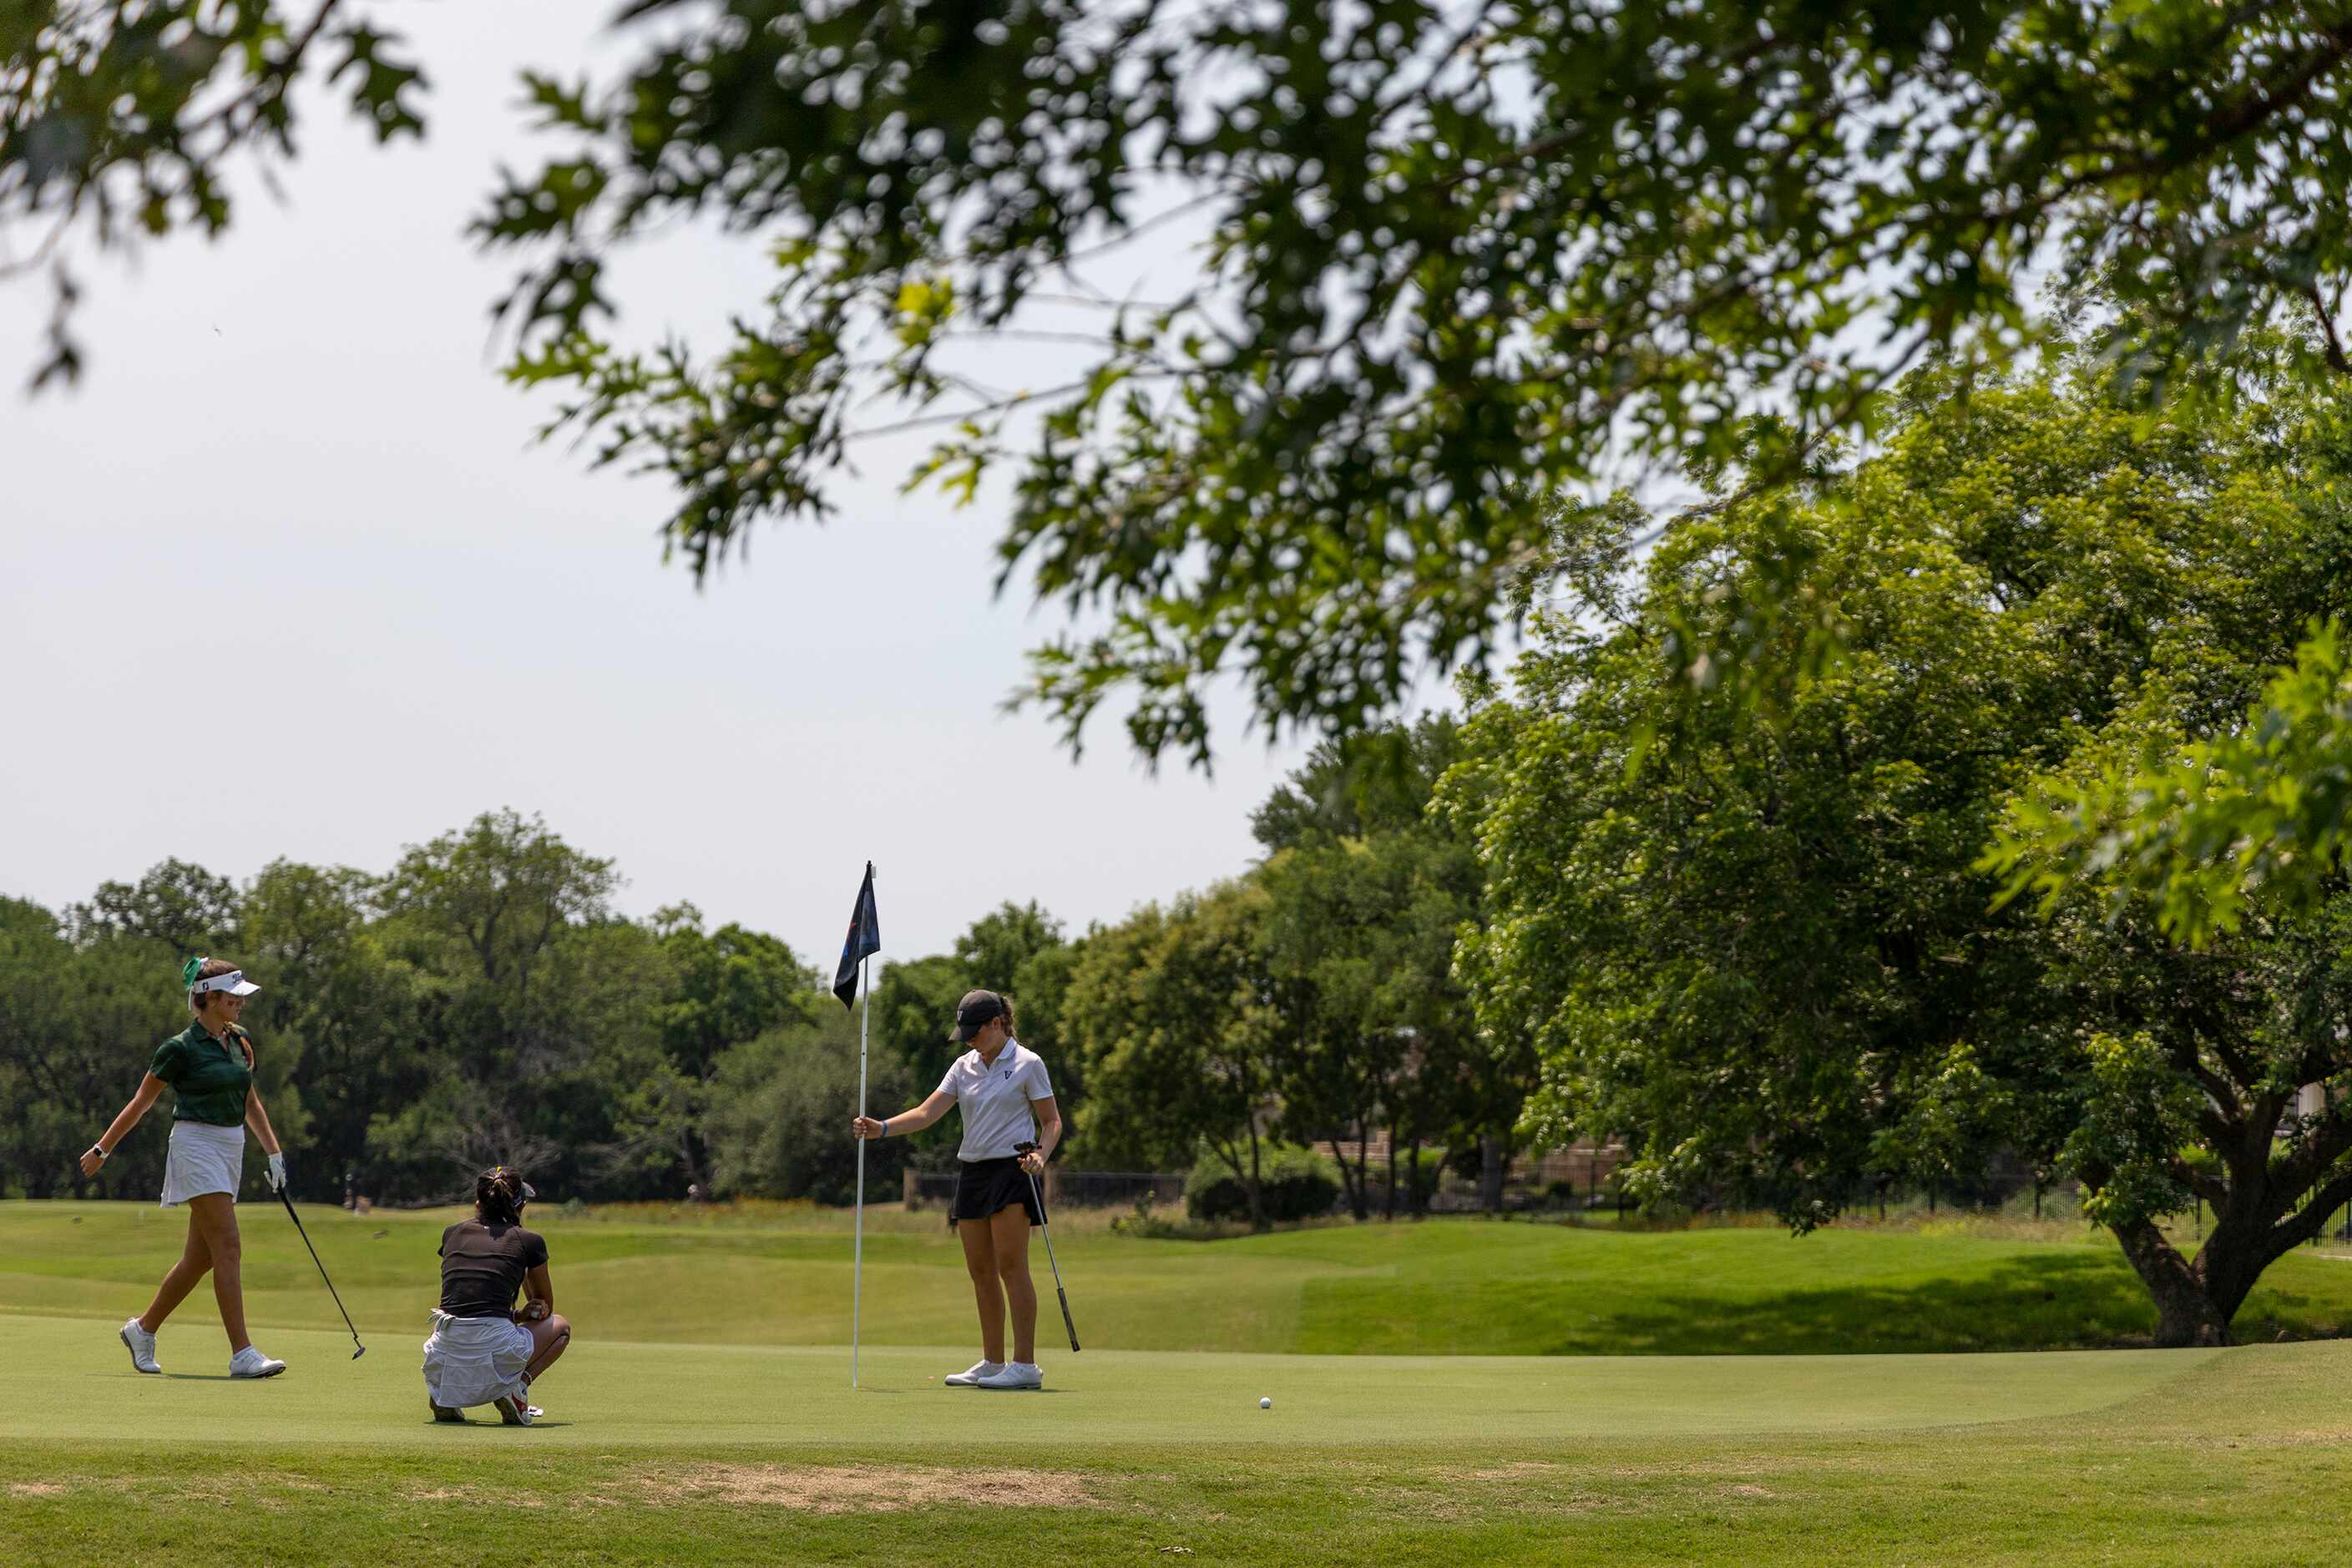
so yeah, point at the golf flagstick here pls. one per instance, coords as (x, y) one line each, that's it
(857, 1265)
(853, 978)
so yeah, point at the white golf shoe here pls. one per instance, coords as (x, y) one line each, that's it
(250, 1362)
(1016, 1375)
(142, 1345)
(969, 1377)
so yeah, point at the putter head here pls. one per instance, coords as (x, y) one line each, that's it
(359, 1352)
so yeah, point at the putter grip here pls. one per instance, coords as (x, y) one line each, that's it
(1065, 1296)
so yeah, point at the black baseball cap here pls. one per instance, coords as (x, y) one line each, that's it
(977, 1009)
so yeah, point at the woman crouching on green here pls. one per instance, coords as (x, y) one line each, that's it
(208, 1067)
(484, 1350)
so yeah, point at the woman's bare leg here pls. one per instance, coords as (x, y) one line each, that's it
(196, 1262)
(988, 1295)
(1010, 1230)
(550, 1338)
(216, 1214)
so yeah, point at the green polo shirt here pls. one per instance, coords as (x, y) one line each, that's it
(209, 1076)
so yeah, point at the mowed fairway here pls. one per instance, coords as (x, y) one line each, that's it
(705, 1415)
(1449, 1288)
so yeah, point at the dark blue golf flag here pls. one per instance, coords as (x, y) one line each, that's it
(865, 937)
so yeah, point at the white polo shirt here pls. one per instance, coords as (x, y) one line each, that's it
(994, 1100)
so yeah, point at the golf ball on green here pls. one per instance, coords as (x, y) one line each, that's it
(1265, 1405)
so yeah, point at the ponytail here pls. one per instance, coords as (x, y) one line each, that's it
(499, 1196)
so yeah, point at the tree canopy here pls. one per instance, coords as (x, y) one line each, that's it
(1175, 1016)
(1370, 892)
(1766, 947)
(481, 1003)
(2208, 830)
(1452, 257)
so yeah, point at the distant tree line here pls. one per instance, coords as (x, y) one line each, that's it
(482, 1001)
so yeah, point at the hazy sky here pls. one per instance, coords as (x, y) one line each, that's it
(288, 576)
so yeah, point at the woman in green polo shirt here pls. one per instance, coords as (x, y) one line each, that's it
(209, 1069)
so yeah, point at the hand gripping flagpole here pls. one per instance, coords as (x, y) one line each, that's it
(857, 1266)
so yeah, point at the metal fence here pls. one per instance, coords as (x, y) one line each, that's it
(1581, 1177)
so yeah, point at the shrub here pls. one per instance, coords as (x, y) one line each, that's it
(1293, 1183)
(779, 1118)
(1147, 1223)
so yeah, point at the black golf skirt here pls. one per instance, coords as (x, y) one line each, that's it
(984, 1187)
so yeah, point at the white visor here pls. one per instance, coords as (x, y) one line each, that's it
(234, 982)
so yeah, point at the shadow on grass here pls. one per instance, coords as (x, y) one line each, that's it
(2062, 1302)
(493, 1425)
(2064, 1299)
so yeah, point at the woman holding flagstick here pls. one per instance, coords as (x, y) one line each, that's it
(1006, 1099)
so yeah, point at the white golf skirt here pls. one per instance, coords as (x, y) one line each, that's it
(473, 1361)
(203, 1159)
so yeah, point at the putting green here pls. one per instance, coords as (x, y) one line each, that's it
(73, 1382)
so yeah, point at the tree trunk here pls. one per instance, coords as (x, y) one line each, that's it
(2186, 1312)
(1256, 1185)
(1490, 1173)
(1363, 1163)
(1389, 1212)
(1352, 1181)
(2185, 1317)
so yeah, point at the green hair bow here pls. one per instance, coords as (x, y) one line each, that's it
(189, 971)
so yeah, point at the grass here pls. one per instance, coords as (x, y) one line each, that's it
(757, 1454)
(705, 1413)
(780, 1276)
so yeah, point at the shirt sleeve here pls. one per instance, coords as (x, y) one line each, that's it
(443, 1250)
(1040, 1086)
(170, 1062)
(535, 1250)
(947, 1082)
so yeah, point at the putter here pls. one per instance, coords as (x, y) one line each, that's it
(287, 1199)
(1048, 1229)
